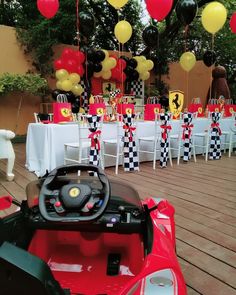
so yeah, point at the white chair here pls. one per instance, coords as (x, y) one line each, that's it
(232, 134)
(78, 151)
(176, 143)
(153, 140)
(7, 151)
(38, 117)
(227, 134)
(115, 142)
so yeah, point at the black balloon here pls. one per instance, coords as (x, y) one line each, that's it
(97, 68)
(55, 93)
(87, 23)
(150, 36)
(186, 11)
(125, 58)
(75, 108)
(128, 70)
(100, 55)
(70, 96)
(209, 58)
(132, 63)
(134, 76)
(91, 55)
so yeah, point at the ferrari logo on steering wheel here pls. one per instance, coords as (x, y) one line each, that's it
(74, 192)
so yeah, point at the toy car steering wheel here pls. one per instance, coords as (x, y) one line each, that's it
(74, 198)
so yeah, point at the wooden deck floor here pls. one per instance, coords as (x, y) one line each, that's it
(204, 196)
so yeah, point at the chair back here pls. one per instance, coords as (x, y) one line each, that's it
(176, 128)
(88, 124)
(43, 117)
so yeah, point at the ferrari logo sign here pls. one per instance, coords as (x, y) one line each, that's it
(231, 110)
(200, 110)
(65, 112)
(74, 192)
(176, 102)
(128, 111)
(108, 87)
(156, 110)
(100, 111)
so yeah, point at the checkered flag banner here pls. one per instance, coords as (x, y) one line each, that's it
(215, 150)
(131, 162)
(114, 93)
(95, 134)
(187, 135)
(165, 129)
(86, 94)
(137, 88)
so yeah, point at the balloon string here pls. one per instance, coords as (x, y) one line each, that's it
(122, 76)
(212, 49)
(77, 22)
(185, 38)
(187, 79)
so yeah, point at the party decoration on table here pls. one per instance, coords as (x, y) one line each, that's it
(196, 107)
(117, 4)
(214, 17)
(48, 8)
(187, 135)
(159, 9)
(131, 162)
(209, 58)
(187, 61)
(215, 145)
(150, 36)
(176, 102)
(232, 23)
(165, 129)
(186, 11)
(123, 31)
(62, 110)
(152, 107)
(97, 107)
(95, 134)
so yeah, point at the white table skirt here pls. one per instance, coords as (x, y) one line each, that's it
(45, 142)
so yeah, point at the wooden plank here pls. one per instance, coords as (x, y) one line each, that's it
(203, 282)
(207, 263)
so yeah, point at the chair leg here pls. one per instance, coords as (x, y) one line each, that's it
(179, 151)
(230, 143)
(170, 156)
(207, 147)
(117, 158)
(10, 165)
(194, 151)
(155, 155)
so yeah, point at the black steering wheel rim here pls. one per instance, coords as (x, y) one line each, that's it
(63, 170)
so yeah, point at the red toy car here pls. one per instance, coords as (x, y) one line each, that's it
(88, 235)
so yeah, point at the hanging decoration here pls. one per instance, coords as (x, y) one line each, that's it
(186, 11)
(187, 61)
(159, 9)
(48, 8)
(233, 23)
(94, 155)
(214, 17)
(123, 31)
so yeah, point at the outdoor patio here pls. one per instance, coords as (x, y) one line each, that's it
(204, 196)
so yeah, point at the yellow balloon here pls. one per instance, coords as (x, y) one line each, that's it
(141, 67)
(187, 61)
(74, 78)
(106, 75)
(62, 74)
(214, 16)
(66, 85)
(97, 75)
(58, 85)
(112, 62)
(77, 89)
(117, 4)
(123, 31)
(106, 53)
(149, 64)
(105, 65)
(142, 58)
(144, 76)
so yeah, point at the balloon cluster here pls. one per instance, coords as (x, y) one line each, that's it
(107, 64)
(69, 69)
(144, 66)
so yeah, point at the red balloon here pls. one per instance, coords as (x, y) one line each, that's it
(233, 23)
(67, 53)
(58, 64)
(159, 9)
(115, 73)
(79, 70)
(121, 64)
(48, 8)
(70, 65)
(79, 56)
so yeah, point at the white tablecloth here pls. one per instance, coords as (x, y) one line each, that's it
(45, 142)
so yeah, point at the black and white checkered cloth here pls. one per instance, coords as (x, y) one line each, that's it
(137, 88)
(215, 147)
(131, 162)
(94, 136)
(187, 135)
(165, 129)
(114, 93)
(86, 84)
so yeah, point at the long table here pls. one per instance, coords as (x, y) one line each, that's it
(45, 142)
